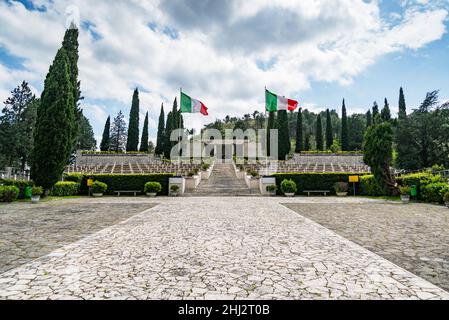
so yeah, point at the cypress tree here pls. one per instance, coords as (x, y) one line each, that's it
(319, 134)
(106, 140)
(307, 145)
(144, 141)
(118, 134)
(376, 113)
(167, 134)
(386, 113)
(133, 130)
(369, 119)
(284, 135)
(55, 134)
(160, 132)
(344, 129)
(271, 125)
(299, 133)
(86, 137)
(329, 130)
(402, 105)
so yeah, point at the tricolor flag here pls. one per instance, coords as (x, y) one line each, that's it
(276, 103)
(189, 105)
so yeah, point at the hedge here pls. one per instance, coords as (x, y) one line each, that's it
(21, 184)
(8, 193)
(420, 180)
(117, 182)
(314, 181)
(434, 192)
(370, 187)
(65, 189)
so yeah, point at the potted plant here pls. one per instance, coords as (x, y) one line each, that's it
(152, 189)
(98, 189)
(272, 190)
(36, 194)
(288, 187)
(341, 188)
(446, 199)
(174, 190)
(405, 194)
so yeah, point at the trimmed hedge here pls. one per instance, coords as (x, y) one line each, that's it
(370, 187)
(314, 181)
(8, 193)
(420, 180)
(434, 192)
(65, 189)
(21, 184)
(118, 182)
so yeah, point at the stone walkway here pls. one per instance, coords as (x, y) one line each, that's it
(415, 237)
(215, 248)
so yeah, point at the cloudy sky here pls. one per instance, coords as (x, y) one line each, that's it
(225, 52)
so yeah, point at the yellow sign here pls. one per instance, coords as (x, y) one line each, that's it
(353, 179)
(90, 182)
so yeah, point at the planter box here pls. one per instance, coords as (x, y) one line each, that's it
(191, 183)
(177, 181)
(264, 183)
(290, 195)
(405, 199)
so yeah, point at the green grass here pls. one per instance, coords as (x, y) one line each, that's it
(388, 198)
(48, 199)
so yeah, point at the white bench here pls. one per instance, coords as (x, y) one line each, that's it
(127, 191)
(325, 192)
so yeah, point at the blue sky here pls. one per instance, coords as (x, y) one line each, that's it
(225, 53)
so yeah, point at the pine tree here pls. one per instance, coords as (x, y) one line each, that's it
(86, 137)
(106, 140)
(132, 143)
(402, 106)
(369, 119)
(376, 113)
(299, 133)
(329, 130)
(284, 135)
(344, 129)
(160, 133)
(319, 134)
(144, 141)
(271, 126)
(386, 113)
(56, 132)
(118, 134)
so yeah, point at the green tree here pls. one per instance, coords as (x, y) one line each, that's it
(56, 124)
(357, 129)
(402, 105)
(17, 124)
(132, 143)
(86, 136)
(369, 119)
(299, 133)
(167, 135)
(329, 130)
(284, 135)
(319, 134)
(270, 126)
(344, 129)
(307, 144)
(160, 132)
(106, 140)
(150, 147)
(378, 154)
(376, 113)
(118, 134)
(386, 113)
(144, 141)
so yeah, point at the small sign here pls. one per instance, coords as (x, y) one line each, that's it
(353, 179)
(90, 182)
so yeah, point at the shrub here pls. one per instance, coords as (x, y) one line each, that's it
(205, 166)
(341, 187)
(253, 173)
(405, 191)
(174, 188)
(65, 189)
(434, 192)
(118, 182)
(21, 184)
(74, 177)
(9, 193)
(370, 187)
(99, 187)
(288, 186)
(313, 181)
(152, 187)
(420, 180)
(446, 197)
(37, 191)
(272, 188)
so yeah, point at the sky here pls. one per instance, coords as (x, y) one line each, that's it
(226, 52)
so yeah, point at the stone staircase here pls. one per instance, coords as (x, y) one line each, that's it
(222, 182)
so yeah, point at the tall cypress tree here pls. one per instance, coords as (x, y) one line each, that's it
(284, 135)
(144, 141)
(369, 119)
(55, 134)
(319, 134)
(106, 140)
(307, 145)
(133, 130)
(329, 130)
(299, 133)
(386, 113)
(271, 125)
(160, 132)
(167, 135)
(402, 105)
(344, 129)
(376, 113)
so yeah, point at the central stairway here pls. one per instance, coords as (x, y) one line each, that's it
(222, 182)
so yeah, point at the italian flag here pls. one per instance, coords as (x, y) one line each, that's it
(276, 103)
(189, 105)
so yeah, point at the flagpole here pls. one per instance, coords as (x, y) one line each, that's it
(266, 133)
(179, 125)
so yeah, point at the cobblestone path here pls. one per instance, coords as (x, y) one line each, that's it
(215, 248)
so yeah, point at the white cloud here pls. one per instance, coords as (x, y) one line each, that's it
(214, 58)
